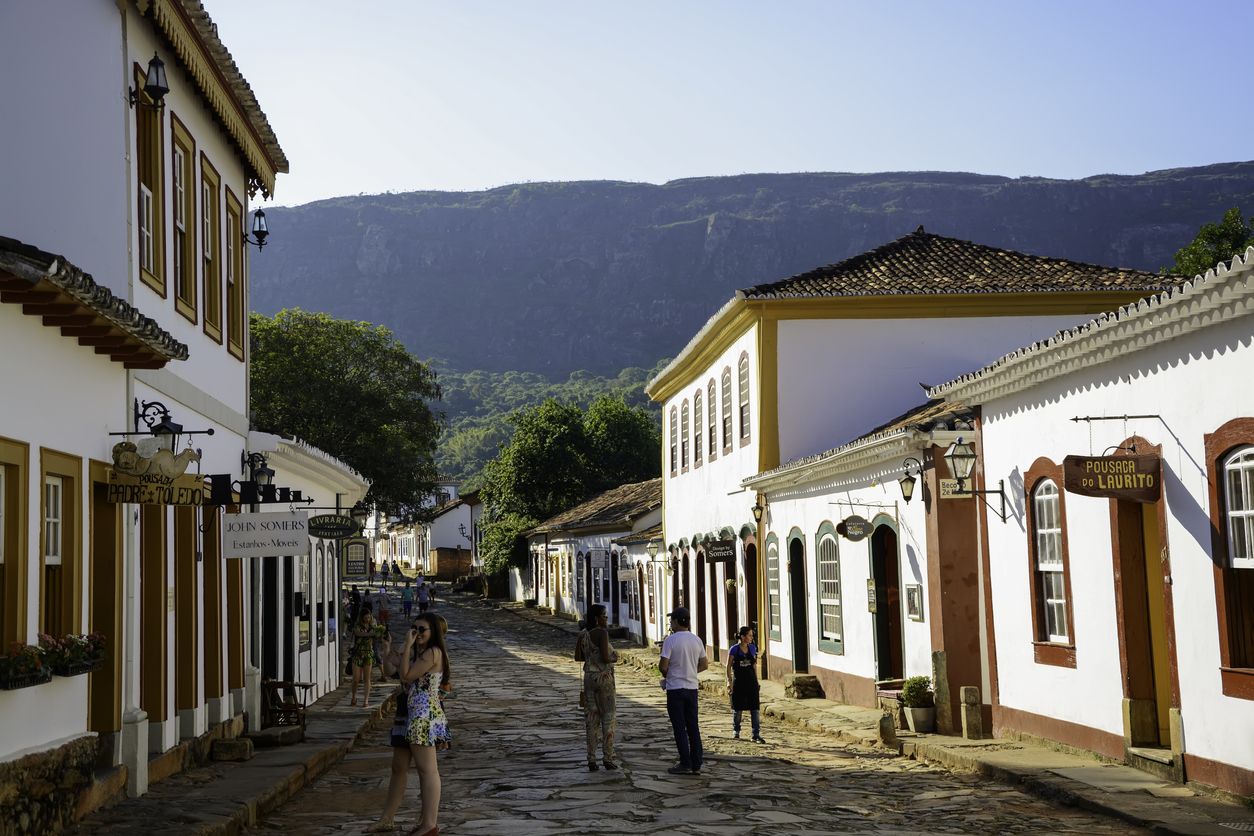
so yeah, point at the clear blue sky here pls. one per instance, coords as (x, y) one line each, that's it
(470, 94)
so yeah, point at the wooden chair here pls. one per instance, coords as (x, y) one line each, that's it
(282, 706)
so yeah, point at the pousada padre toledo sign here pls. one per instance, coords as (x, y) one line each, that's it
(265, 535)
(1133, 478)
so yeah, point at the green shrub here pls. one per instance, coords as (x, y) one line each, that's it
(917, 692)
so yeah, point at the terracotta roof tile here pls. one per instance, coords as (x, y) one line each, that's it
(923, 263)
(617, 505)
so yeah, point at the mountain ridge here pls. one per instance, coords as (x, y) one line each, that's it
(601, 275)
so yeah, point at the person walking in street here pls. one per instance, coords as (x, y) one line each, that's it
(385, 570)
(683, 657)
(407, 599)
(363, 655)
(354, 611)
(396, 573)
(742, 683)
(599, 698)
(420, 726)
(424, 596)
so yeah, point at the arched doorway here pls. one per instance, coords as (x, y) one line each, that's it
(700, 614)
(887, 615)
(615, 587)
(715, 594)
(752, 616)
(797, 602)
(684, 583)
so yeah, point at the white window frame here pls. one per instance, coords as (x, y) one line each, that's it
(772, 588)
(713, 410)
(743, 396)
(1047, 532)
(54, 519)
(145, 228)
(1239, 506)
(683, 436)
(697, 451)
(727, 410)
(827, 553)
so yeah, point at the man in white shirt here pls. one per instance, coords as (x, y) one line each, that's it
(683, 657)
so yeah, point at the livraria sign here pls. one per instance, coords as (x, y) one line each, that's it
(1134, 478)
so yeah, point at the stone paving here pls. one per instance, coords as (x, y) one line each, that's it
(518, 764)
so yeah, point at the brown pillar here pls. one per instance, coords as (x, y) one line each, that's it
(104, 711)
(153, 609)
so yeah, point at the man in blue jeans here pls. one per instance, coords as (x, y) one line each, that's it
(683, 657)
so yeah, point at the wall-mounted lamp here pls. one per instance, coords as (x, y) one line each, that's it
(260, 230)
(651, 549)
(359, 515)
(462, 528)
(961, 460)
(155, 86)
(907, 481)
(757, 509)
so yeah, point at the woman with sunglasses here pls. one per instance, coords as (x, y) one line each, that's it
(420, 727)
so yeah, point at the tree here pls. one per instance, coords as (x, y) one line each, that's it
(1214, 243)
(350, 389)
(557, 458)
(624, 444)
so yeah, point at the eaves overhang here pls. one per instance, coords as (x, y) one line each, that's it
(854, 462)
(66, 298)
(1225, 293)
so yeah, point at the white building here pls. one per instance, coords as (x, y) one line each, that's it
(153, 203)
(790, 369)
(1119, 592)
(596, 553)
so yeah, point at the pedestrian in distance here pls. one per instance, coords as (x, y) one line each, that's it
(742, 683)
(599, 696)
(424, 597)
(420, 726)
(683, 657)
(363, 655)
(407, 599)
(385, 570)
(396, 573)
(373, 567)
(385, 606)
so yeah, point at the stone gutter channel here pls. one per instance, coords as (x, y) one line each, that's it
(1072, 777)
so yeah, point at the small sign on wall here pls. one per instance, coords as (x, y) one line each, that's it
(266, 534)
(949, 489)
(626, 574)
(721, 551)
(870, 595)
(1133, 478)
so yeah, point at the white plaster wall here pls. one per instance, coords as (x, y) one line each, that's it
(841, 378)
(63, 153)
(44, 714)
(709, 498)
(444, 530)
(807, 507)
(1189, 381)
(209, 366)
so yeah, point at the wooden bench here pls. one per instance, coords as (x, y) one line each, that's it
(282, 706)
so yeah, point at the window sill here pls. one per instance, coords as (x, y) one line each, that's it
(744, 440)
(1238, 682)
(1052, 653)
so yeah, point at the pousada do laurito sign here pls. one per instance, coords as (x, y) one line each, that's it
(1133, 478)
(265, 534)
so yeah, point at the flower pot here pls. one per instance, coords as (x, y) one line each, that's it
(921, 720)
(76, 668)
(26, 680)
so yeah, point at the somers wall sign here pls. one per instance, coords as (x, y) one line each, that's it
(1133, 478)
(264, 535)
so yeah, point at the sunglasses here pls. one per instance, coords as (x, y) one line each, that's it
(421, 630)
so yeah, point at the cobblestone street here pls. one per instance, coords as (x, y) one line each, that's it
(518, 764)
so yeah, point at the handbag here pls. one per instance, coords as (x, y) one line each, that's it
(582, 700)
(348, 667)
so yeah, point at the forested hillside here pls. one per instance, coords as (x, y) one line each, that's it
(478, 404)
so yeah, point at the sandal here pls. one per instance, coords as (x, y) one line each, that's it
(381, 827)
(354, 702)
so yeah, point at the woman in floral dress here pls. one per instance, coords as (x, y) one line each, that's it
(599, 697)
(418, 732)
(363, 654)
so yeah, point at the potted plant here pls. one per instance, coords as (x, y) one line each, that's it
(73, 655)
(23, 667)
(918, 702)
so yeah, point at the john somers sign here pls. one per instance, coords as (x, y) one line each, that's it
(265, 534)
